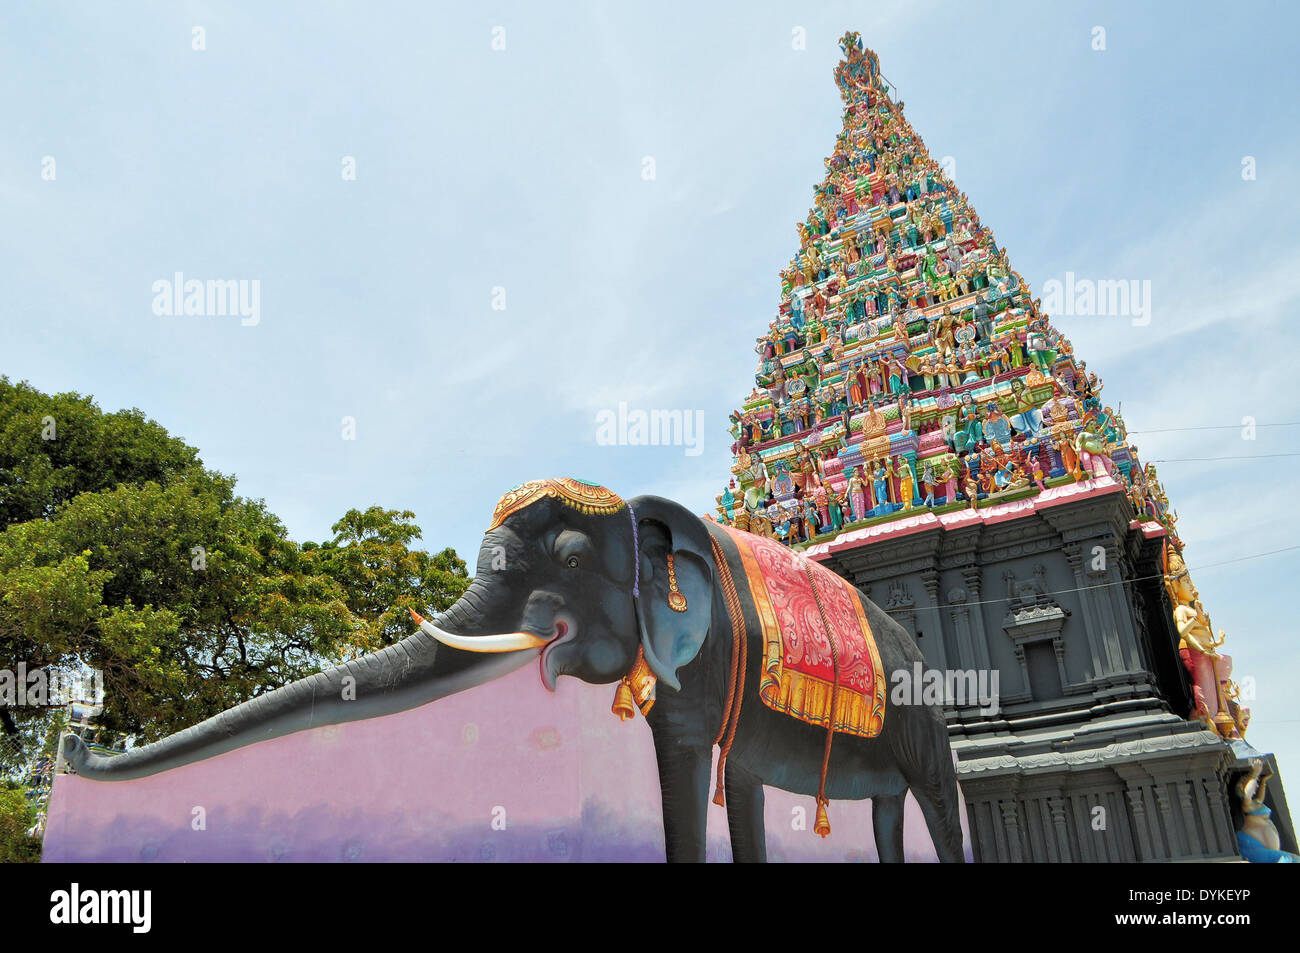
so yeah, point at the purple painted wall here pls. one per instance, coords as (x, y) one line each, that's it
(570, 782)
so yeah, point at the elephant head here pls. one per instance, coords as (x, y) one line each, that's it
(586, 577)
(568, 574)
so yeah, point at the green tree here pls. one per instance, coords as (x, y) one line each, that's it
(121, 553)
(17, 816)
(188, 599)
(55, 446)
(381, 576)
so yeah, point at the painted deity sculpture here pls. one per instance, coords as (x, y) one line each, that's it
(970, 426)
(1196, 647)
(906, 483)
(952, 365)
(1069, 459)
(803, 465)
(728, 499)
(875, 379)
(929, 482)
(1034, 465)
(1027, 419)
(880, 487)
(949, 477)
(948, 427)
(1041, 353)
(996, 425)
(857, 499)
(782, 481)
(1091, 447)
(1257, 836)
(868, 489)
(993, 461)
(1002, 281)
(898, 377)
(1209, 670)
(891, 481)
(811, 518)
(929, 372)
(834, 505)
(944, 331)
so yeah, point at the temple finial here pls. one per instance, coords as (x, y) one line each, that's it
(859, 71)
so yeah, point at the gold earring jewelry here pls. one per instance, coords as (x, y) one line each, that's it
(676, 601)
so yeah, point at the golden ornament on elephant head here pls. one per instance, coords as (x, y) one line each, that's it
(575, 494)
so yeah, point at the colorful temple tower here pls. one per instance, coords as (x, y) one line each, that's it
(919, 426)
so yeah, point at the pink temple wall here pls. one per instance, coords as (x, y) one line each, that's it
(570, 782)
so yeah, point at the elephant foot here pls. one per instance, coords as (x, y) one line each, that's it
(887, 824)
(745, 816)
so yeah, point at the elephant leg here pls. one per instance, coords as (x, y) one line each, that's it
(684, 785)
(945, 828)
(745, 816)
(938, 797)
(887, 822)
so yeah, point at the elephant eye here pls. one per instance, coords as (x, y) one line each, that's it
(572, 562)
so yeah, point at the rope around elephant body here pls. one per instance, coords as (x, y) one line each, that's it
(822, 801)
(739, 657)
(735, 688)
(636, 559)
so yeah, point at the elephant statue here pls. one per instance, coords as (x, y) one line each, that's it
(641, 593)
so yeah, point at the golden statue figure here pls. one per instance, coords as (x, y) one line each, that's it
(1197, 646)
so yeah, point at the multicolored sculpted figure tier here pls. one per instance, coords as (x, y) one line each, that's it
(934, 381)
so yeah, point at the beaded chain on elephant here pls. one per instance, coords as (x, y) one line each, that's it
(735, 687)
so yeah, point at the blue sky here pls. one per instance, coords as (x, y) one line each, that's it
(522, 169)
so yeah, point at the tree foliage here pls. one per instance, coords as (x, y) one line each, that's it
(17, 816)
(56, 446)
(119, 551)
(371, 558)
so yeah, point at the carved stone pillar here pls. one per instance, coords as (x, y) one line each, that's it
(1011, 825)
(963, 638)
(1135, 791)
(1111, 601)
(1091, 624)
(971, 575)
(1168, 843)
(1215, 807)
(934, 620)
(1064, 848)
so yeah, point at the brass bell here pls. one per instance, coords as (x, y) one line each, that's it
(624, 704)
(823, 825)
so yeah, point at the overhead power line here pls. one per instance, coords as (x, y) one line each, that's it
(1123, 582)
(1246, 456)
(1214, 427)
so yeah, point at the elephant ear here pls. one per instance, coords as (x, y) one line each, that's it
(671, 639)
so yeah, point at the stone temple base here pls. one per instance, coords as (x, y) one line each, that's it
(1087, 754)
(1127, 789)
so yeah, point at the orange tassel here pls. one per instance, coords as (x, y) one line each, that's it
(823, 825)
(624, 705)
(719, 798)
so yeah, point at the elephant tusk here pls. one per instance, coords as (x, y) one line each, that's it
(508, 642)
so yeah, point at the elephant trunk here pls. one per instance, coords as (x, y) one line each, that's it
(409, 673)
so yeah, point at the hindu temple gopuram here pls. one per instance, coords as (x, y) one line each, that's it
(919, 426)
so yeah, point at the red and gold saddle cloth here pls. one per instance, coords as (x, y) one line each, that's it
(799, 671)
